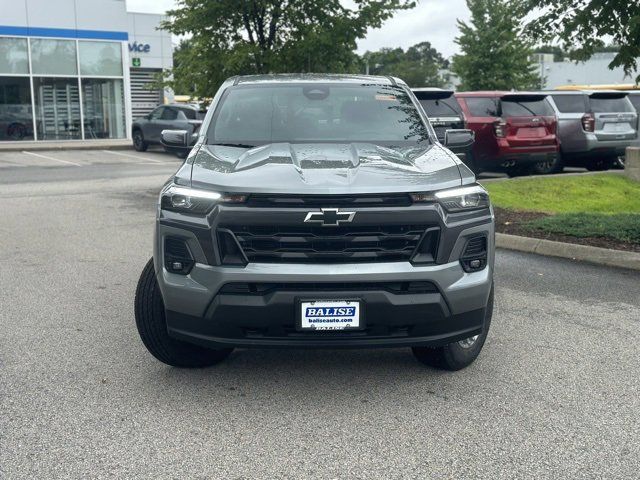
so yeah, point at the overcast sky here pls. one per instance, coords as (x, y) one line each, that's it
(431, 20)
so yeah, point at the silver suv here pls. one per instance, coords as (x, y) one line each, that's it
(594, 128)
(318, 211)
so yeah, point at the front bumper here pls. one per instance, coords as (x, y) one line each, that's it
(196, 310)
(201, 309)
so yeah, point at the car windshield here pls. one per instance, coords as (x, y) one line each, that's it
(251, 115)
(525, 108)
(447, 107)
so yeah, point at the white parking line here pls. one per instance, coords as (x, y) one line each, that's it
(137, 157)
(50, 158)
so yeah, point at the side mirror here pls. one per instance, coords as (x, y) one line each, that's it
(175, 138)
(459, 138)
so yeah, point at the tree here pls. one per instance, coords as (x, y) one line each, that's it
(230, 37)
(581, 24)
(495, 56)
(418, 66)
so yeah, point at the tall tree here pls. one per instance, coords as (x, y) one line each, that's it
(582, 24)
(418, 66)
(495, 56)
(230, 37)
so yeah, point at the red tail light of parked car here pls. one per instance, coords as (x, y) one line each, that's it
(588, 122)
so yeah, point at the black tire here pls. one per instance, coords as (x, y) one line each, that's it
(139, 142)
(601, 164)
(455, 356)
(517, 171)
(549, 167)
(152, 327)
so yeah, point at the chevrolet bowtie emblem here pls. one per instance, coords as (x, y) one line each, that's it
(329, 217)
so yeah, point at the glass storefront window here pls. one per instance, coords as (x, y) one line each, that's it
(53, 57)
(57, 108)
(101, 59)
(16, 121)
(13, 56)
(63, 74)
(103, 108)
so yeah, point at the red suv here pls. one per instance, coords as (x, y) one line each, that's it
(514, 131)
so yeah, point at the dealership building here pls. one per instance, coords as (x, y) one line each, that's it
(77, 69)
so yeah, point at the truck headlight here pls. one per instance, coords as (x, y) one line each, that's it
(192, 200)
(454, 200)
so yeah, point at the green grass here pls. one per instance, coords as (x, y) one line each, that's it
(623, 227)
(606, 193)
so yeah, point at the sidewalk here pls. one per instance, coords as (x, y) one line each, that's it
(120, 144)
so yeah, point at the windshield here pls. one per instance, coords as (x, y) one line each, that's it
(525, 108)
(250, 115)
(447, 107)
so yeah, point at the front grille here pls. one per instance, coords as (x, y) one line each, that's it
(327, 201)
(398, 288)
(305, 244)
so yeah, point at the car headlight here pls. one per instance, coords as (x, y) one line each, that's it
(457, 199)
(192, 200)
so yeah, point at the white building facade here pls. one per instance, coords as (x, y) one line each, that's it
(150, 52)
(66, 68)
(594, 71)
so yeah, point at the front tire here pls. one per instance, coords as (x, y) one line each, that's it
(152, 327)
(457, 355)
(139, 142)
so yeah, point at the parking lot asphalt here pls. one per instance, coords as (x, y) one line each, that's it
(554, 394)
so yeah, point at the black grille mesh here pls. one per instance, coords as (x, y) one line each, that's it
(304, 244)
(475, 246)
(267, 288)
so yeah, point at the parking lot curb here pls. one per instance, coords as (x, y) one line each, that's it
(572, 251)
(72, 145)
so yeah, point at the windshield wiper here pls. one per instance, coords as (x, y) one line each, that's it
(239, 145)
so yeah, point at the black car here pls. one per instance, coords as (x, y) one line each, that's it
(444, 113)
(147, 130)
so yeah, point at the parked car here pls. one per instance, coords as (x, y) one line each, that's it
(147, 130)
(444, 113)
(634, 98)
(594, 128)
(514, 131)
(319, 211)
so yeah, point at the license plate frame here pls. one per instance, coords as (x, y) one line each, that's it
(302, 303)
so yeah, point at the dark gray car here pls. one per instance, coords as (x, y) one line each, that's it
(319, 211)
(148, 129)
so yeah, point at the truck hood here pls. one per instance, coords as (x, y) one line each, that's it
(324, 168)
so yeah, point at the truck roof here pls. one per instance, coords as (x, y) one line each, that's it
(316, 77)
